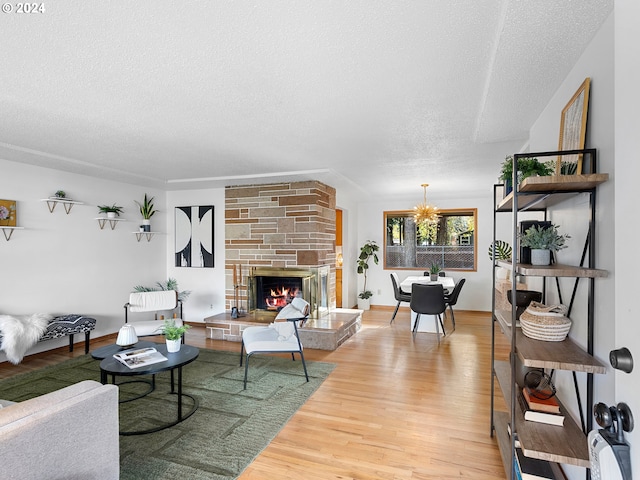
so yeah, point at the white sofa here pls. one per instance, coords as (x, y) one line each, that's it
(69, 434)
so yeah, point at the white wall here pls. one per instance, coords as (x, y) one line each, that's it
(627, 126)
(476, 294)
(64, 263)
(207, 285)
(598, 63)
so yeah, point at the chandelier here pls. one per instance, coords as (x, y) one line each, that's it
(423, 212)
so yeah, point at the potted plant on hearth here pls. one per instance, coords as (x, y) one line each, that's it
(542, 240)
(173, 334)
(147, 211)
(112, 211)
(367, 252)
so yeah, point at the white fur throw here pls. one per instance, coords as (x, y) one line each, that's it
(20, 333)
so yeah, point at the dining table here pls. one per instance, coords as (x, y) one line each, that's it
(427, 322)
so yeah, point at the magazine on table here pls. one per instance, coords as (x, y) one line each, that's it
(140, 357)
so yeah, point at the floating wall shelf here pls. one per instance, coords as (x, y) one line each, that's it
(102, 221)
(148, 235)
(68, 204)
(8, 231)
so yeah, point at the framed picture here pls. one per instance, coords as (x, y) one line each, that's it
(7, 213)
(573, 131)
(194, 236)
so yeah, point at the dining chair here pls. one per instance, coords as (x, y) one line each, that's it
(428, 300)
(400, 295)
(450, 299)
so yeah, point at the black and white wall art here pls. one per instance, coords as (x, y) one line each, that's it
(194, 236)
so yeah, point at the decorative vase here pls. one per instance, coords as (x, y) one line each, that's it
(540, 257)
(111, 214)
(146, 224)
(364, 303)
(173, 345)
(434, 277)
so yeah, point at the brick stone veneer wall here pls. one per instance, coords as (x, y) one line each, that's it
(278, 225)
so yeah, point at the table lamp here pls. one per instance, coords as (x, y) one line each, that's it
(127, 336)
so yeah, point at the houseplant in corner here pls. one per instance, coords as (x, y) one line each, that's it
(542, 240)
(367, 252)
(147, 211)
(173, 334)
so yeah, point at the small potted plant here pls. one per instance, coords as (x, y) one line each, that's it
(112, 211)
(60, 194)
(367, 252)
(542, 240)
(527, 167)
(434, 271)
(147, 211)
(173, 334)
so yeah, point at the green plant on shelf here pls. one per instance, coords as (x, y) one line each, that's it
(539, 237)
(111, 209)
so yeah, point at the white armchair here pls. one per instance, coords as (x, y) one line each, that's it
(155, 301)
(279, 337)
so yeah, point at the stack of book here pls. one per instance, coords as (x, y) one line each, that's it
(540, 410)
(528, 468)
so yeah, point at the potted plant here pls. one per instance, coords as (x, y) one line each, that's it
(367, 252)
(111, 210)
(173, 334)
(147, 211)
(542, 240)
(434, 270)
(170, 284)
(527, 167)
(60, 194)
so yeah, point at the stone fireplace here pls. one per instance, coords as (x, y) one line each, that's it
(284, 230)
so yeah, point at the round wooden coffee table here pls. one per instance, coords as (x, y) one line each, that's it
(175, 361)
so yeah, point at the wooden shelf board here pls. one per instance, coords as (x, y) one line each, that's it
(555, 270)
(566, 444)
(535, 192)
(565, 355)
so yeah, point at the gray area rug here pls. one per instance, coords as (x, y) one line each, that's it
(229, 429)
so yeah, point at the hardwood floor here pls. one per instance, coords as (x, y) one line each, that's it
(395, 407)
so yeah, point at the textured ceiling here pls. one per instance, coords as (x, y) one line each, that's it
(375, 97)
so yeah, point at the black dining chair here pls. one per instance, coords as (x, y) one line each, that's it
(401, 295)
(428, 300)
(450, 299)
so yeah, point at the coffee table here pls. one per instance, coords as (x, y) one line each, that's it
(175, 361)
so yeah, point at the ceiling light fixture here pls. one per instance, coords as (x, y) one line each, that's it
(423, 212)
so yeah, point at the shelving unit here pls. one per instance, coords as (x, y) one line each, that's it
(8, 231)
(68, 204)
(558, 445)
(102, 221)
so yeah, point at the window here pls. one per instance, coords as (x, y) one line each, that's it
(450, 243)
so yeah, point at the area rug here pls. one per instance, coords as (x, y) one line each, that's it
(229, 429)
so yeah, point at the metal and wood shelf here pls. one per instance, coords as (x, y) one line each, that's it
(558, 445)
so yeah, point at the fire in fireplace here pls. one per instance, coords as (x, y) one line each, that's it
(274, 293)
(272, 288)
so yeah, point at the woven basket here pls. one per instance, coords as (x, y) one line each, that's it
(545, 322)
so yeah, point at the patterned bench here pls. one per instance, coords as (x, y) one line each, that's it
(68, 325)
